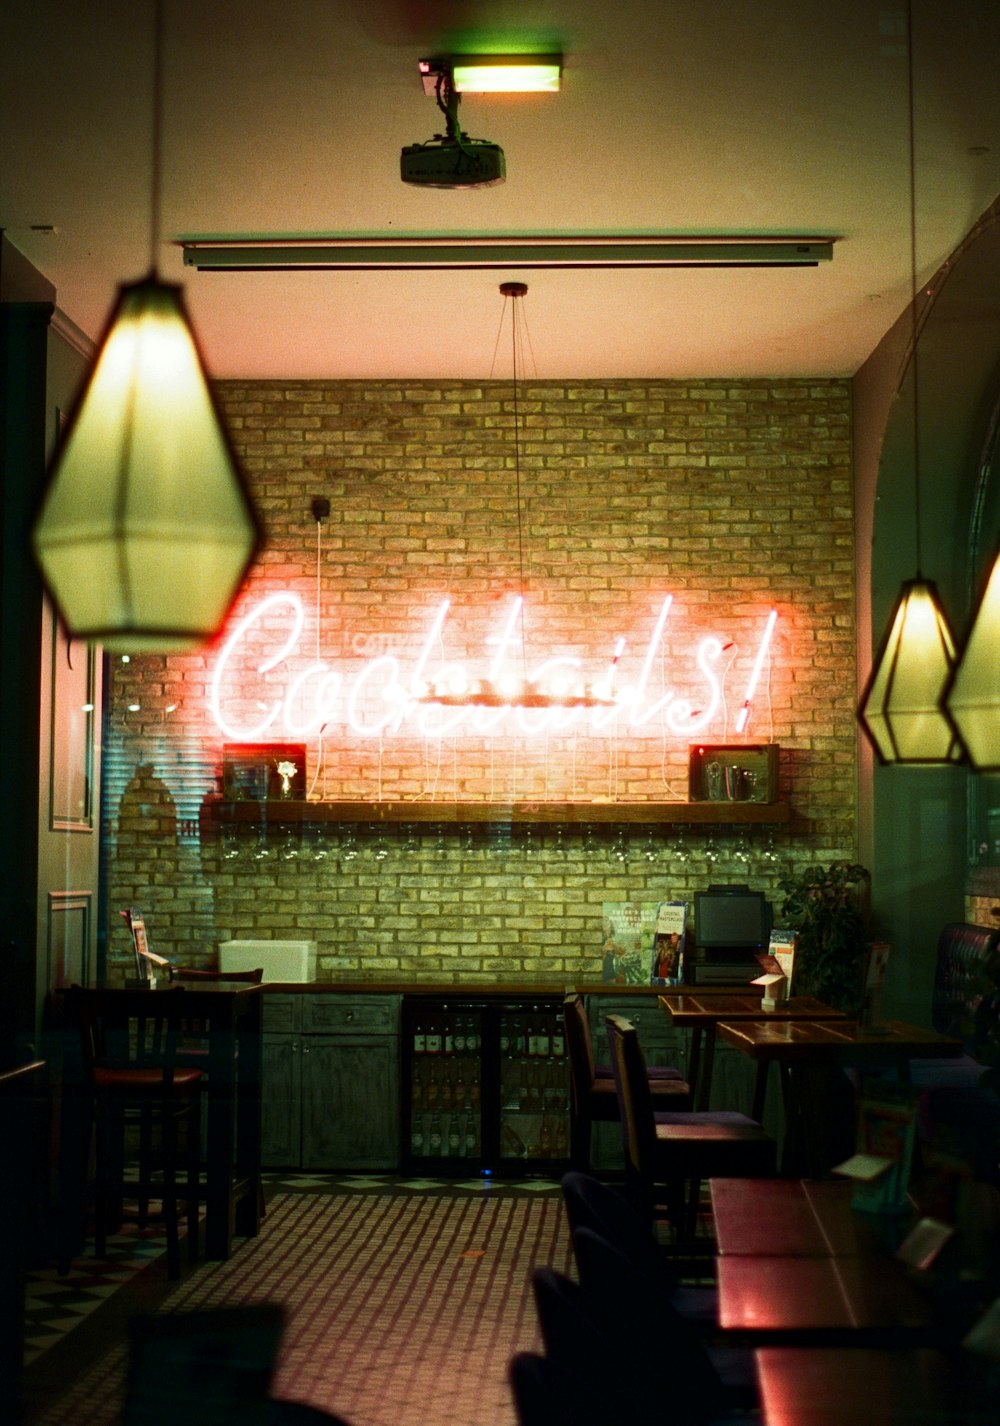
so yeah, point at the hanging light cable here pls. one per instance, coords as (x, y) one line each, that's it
(559, 690)
(146, 530)
(900, 707)
(972, 699)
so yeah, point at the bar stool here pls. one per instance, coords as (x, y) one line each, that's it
(129, 1043)
(677, 1151)
(594, 1098)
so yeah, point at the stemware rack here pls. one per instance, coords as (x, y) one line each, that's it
(568, 813)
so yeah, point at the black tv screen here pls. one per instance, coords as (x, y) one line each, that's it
(732, 918)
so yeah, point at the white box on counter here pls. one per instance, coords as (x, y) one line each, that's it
(291, 961)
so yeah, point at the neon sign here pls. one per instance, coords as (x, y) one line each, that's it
(284, 694)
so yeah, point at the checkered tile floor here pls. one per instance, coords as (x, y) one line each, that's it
(56, 1305)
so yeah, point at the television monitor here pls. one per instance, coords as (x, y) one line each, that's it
(732, 919)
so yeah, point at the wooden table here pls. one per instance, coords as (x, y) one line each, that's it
(231, 1013)
(861, 1300)
(800, 1046)
(797, 1218)
(700, 1011)
(857, 1386)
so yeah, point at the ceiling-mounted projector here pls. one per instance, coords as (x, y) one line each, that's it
(453, 163)
(452, 159)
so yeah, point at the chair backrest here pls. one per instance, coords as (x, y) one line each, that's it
(214, 1365)
(966, 972)
(247, 977)
(645, 1329)
(539, 1391)
(579, 1047)
(635, 1102)
(589, 1203)
(128, 1029)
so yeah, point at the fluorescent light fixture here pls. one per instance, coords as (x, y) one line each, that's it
(494, 73)
(360, 253)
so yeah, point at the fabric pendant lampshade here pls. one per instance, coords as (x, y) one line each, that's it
(146, 530)
(900, 709)
(972, 700)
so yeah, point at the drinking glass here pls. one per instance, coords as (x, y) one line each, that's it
(680, 851)
(349, 848)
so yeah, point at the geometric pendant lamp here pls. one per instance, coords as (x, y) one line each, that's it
(972, 700)
(900, 708)
(145, 531)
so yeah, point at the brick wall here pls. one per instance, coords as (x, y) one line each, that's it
(735, 498)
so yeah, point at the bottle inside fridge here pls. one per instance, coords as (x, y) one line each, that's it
(486, 1086)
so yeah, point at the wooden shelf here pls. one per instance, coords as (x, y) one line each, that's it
(702, 814)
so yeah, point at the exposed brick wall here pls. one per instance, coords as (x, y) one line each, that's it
(735, 497)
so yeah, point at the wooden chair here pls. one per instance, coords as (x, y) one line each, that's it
(590, 1203)
(676, 1152)
(594, 1098)
(129, 1043)
(615, 1353)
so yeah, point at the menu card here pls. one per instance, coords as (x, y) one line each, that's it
(778, 965)
(669, 939)
(628, 930)
(146, 961)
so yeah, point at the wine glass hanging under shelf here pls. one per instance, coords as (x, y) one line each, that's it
(700, 814)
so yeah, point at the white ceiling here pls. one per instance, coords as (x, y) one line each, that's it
(676, 117)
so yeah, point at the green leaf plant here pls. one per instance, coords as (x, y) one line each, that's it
(828, 909)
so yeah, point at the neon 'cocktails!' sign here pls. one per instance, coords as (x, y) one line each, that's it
(282, 693)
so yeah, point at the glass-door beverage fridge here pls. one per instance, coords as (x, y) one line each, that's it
(485, 1085)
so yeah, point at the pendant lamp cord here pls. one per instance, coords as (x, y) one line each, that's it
(517, 442)
(913, 288)
(156, 187)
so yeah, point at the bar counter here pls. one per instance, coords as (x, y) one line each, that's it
(360, 983)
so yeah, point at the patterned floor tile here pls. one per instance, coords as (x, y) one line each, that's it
(58, 1304)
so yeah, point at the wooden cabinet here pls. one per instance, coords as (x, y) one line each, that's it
(331, 1082)
(350, 1102)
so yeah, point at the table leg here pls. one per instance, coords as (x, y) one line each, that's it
(219, 1223)
(694, 1063)
(704, 1091)
(759, 1090)
(248, 1125)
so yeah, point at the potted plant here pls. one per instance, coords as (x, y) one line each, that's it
(828, 909)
